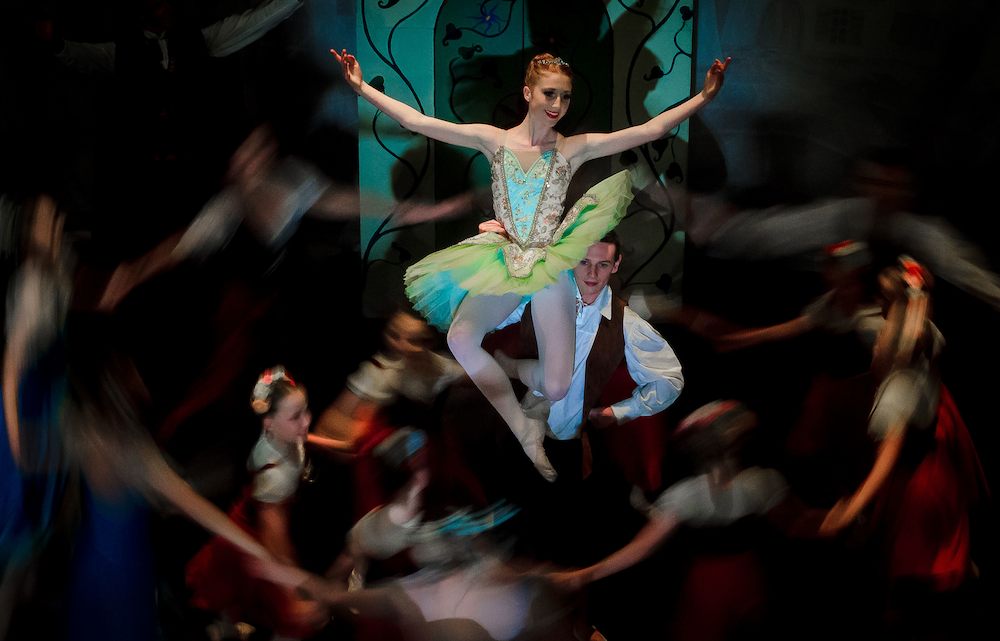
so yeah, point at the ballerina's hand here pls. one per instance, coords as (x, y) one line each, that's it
(715, 77)
(492, 226)
(350, 68)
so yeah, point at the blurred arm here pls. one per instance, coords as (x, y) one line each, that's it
(88, 57)
(484, 138)
(584, 147)
(346, 420)
(757, 335)
(166, 483)
(233, 33)
(274, 533)
(846, 510)
(649, 538)
(885, 461)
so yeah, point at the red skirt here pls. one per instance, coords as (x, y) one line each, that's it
(220, 580)
(368, 492)
(722, 594)
(927, 506)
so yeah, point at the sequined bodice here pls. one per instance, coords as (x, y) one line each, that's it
(529, 203)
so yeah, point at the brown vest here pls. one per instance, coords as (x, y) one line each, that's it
(605, 356)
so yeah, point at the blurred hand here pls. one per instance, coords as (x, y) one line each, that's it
(253, 160)
(121, 283)
(570, 580)
(602, 417)
(46, 228)
(411, 212)
(836, 519)
(492, 226)
(309, 613)
(278, 572)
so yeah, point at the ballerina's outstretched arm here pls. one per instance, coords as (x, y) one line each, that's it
(484, 138)
(583, 147)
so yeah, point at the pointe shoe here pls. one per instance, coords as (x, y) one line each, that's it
(536, 406)
(531, 443)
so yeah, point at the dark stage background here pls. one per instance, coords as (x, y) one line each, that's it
(813, 85)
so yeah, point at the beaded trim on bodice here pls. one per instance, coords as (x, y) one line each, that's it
(539, 194)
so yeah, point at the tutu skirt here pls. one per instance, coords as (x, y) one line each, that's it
(491, 264)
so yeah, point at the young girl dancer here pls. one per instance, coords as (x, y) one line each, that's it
(926, 479)
(217, 575)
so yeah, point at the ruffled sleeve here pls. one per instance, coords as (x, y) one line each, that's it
(276, 477)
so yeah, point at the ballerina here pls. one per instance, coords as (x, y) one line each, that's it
(468, 289)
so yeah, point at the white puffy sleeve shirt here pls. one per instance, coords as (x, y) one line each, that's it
(276, 473)
(697, 502)
(651, 363)
(382, 379)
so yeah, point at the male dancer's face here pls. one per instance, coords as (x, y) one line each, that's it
(594, 270)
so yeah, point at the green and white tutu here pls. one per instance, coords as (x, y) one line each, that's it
(491, 264)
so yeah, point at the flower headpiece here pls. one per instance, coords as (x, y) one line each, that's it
(914, 274)
(716, 428)
(845, 248)
(263, 390)
(727, 414)
(848, 254)
(553, 61)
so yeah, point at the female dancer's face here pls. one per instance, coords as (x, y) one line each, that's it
(407, 336)
(290, 421)
(548, 99)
